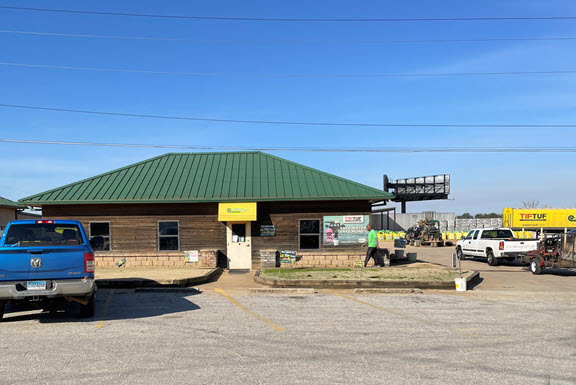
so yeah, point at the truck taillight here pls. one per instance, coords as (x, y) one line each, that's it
(501, 245)
(45, 221)
(88, 262)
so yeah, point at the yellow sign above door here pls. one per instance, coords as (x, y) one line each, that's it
(240, 211)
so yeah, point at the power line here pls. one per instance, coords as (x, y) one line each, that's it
(290, 41)
(291, 75)
(292, 122)
(289, 19)
(312, 149)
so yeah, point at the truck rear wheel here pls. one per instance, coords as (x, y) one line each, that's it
(535, 266)
(88, 310)
(491, 259)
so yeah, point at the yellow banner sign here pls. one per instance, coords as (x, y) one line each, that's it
(241, 211)
(539, 218)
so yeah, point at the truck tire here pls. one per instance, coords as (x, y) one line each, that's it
(88, 310)
(535, 266)
(1, 309)
(459, 254)
(491, 259)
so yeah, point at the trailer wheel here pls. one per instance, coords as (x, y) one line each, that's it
(491, 259)
(1, 309)
(535, 266)
(459, 254)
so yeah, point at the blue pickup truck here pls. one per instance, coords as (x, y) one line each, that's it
(43, 262)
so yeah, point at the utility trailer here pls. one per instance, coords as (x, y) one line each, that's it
(554, 251)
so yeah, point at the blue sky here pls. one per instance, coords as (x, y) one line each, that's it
(480, 182)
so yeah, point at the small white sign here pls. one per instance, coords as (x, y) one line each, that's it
(191, 256)
(354, 219)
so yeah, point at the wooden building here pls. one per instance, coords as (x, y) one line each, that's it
(10, 211)
(238, 210)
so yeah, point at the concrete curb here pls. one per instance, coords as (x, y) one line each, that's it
(471, 280)
(388, 291)
(276, 290)
(145, 282)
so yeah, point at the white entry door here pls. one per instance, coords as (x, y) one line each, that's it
(238, 235)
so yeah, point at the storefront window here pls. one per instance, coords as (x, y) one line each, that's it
(309, 234)
(168, 235)
(100, 236)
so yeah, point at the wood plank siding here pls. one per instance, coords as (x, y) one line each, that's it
(134, 227)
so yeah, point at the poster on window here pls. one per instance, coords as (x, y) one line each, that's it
(345, 229)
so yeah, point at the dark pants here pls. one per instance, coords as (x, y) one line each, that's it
(372, 252)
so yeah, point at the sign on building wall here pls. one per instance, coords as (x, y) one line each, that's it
(345, 229)
(267, 230)
(287, 256)
(240, 211)
(191, 256)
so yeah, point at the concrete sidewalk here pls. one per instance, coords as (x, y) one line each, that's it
(147, 277)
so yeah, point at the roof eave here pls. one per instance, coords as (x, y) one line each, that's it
(213, 200)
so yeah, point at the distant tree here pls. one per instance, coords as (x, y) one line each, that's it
(531, 204)
(491, 215)
(465, 216)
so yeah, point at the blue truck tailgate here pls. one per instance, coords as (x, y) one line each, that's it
(30, 263)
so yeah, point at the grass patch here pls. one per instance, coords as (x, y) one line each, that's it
(366, 274)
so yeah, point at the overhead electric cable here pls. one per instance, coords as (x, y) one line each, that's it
(292, 122)
(309, 149)
(291, 75)
(291, 41)
(289, 19)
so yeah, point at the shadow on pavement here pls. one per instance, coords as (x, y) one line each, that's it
(112, 304)
(559, 272)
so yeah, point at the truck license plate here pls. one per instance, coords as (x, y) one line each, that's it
(36, 285)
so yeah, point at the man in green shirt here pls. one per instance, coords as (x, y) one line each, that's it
(373, 247)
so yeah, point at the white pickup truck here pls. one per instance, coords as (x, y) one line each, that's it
(493, 244)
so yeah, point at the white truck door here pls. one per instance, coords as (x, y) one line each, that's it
(467, 244)
(474, 244)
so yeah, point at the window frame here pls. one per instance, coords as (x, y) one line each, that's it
(319, 233)
(167, 236)
(109, 234)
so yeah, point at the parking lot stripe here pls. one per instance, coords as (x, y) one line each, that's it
(100, 323)
(429, 323)
(268, 322)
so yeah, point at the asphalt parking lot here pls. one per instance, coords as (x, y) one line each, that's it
(226, 336)
(507, 277)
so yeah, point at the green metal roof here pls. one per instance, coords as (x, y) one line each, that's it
(209, 177)
(8, 203)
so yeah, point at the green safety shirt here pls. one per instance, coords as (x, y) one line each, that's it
(372, 238)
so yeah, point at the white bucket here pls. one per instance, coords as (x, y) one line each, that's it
(460, 284)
